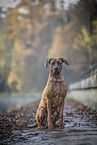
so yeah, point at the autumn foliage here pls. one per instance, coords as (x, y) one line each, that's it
(34, 31)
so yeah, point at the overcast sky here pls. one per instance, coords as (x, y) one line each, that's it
(9, 3)
(13, 3)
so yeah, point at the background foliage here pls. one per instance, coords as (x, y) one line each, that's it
(35, 30)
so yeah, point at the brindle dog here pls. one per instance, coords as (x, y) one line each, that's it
(52, 103)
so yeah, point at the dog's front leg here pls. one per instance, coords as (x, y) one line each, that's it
(50, 125)
(61, 124)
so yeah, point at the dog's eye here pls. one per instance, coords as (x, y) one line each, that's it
(59, 63)
(53, 63)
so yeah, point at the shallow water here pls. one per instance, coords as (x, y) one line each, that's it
(9, 103)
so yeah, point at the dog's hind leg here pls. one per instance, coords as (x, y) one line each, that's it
(41, 117)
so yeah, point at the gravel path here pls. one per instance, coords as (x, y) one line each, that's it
(80, 127)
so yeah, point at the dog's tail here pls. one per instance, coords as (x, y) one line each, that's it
(27, 127)
(33, 125)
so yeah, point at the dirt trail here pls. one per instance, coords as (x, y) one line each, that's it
(80, 127)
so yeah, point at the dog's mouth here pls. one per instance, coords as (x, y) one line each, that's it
(56, 70)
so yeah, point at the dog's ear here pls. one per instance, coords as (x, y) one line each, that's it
(47, 62)
(65, 61)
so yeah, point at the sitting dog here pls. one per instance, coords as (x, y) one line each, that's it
(52, 103)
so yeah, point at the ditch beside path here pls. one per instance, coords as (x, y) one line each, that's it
(80, 127)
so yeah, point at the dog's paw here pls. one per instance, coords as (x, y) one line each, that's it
(41, 127)
(61, 126)
(51, 126)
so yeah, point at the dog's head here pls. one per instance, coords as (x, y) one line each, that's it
(55, 65)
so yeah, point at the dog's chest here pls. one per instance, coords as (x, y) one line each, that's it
(57, 96)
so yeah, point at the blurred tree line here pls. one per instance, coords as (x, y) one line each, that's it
(36, 30)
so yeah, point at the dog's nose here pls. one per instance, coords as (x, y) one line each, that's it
(56, 70)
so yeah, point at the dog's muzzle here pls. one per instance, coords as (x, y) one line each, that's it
(56, 70)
